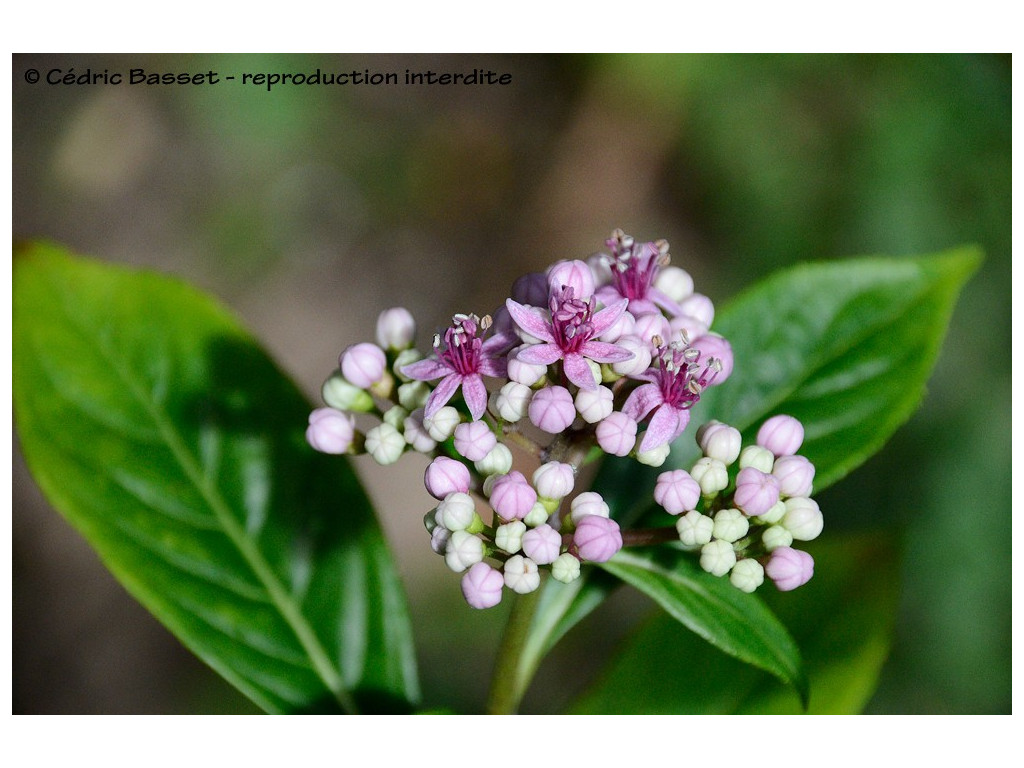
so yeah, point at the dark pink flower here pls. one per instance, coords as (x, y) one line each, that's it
(568, 333)
(674, 387)
(634, 266)
(460, 361)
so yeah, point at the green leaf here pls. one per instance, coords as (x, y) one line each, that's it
(158, 427)
(845, 346)
(842, 619)
(736, 622)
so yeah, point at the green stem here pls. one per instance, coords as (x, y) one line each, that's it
(506, 690)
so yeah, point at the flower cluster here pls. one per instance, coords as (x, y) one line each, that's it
(606, 355)
(744, 524)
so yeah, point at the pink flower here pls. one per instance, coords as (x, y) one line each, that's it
(634, 267)
(675, 387)
(461, 361)
(568, 334)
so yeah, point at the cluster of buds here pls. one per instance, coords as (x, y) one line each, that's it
(606, 355)
(744, 522)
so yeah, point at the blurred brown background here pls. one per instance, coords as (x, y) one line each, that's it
(308, 209)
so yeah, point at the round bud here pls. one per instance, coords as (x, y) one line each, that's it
(653, 457)
(789, 568)
(722, 442)
(538, 515)
(404, 358)
(782, 435)
(413, 395)
(481, 586)
(756, 492)
(596, 539)
(416, 434)
(616, 434)
(442, 424)
(698, 306)
(345, 396)
(573, 274)
(717, 557)
(385, 444)
(674, 282)
(641, 359)
(554, 480)
(456, 511)
(676, 491)
(512, 497)
(711, 475)
(695, 529)
(509, 537)
(497, 462)
(512, 401)
(552, 409)
(444, 476)
(363, 364)
(776, 536)
(474, 440)
(649, 325)
(330, 430)
(803, 518)
(795, 475)
(542, 544)
(522, 372)
(463, 551)
(757, 457)
(586, 504)
(566, 568)
(730, 525)
(521, 574)
(594, 404)
(747, 575)
(396, 328)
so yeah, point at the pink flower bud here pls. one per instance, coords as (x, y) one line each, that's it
(698, 306)
(596, 539)
(330, 431)
(512, 497)
(444, 476)
(552, 409)
(572, 274)
(711, 345)
(482, 585)
(616, 434)
(622, 327)
(651, 324)
(720, 441)
(532, 289)
(676, 491)
(542, 544)
(795, 475)
(396, 328)
(363, 364)
(474, 440)
(782, 435)
(756, 492)
(554, 480)
(789, 568)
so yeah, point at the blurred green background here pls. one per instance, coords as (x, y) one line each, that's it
(309, 209)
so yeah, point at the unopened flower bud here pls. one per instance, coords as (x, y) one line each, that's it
(474, 440)
(782, 435)
(573, 274)
(456, 511)
(554, 480)
(775, 536)
(596, 539)
(538, 514)
(649, 325)
(363, 364)
(532, 289)
(717, 557)
(497, 462)
(512, 401)
(339, 393)
(803, 518)
(463, 551)
(521, 574)
(594, 404)
(404, 358)
(773, 515)
(756, 492)
(622, 327)
(654, 457)
(757, 457)
(730, 525)
(721, 442)
(674, 282)
(711, 475)
(524, 373)
(789, 568)
(586, 504)
(676, 491)
(482, 585)
(416, 434)
(439, 539)
(512, 497)
(442, 424)
(695, 529)
(711, 345)
(430, 521)
(385, 444)
(747, 575)
(552, 409)
(641, 359)
(699, 306)
(330, 430)
(396, 328)
(542, 544)
(444, 476)
(795, 475)
(396, 416)
(566, 568)
(413, 395)
(509, 537)
(616, 434)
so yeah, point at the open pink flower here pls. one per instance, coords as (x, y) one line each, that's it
(675, 386)
(460, 361)
(568, 334)
(634, 266)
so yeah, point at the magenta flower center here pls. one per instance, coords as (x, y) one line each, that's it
(571, 320)
(680, 377)
(634, 268)
(462, 346)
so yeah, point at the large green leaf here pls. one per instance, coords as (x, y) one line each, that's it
(155, 423)
(845, 346)
(842, 620)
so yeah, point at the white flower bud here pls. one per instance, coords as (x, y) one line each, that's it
(385, 444)
(488, 484)
(757, 457)
(674, 282)
(463, 550)
(641, 359)
(717, 557)
(524, 373)
(695, 529)
(588, 503)
(338, 393)
(509, 537)
(521, 574)
(803, 518)
(776, 536)
(566, 568)
(413, 395)
(512, 401)
(439, 539)
(747, 575)
(497, 462)
(774, 514)
(654, 457)
(416, 434)
(442, 424)
(538, 515)
(594, 404)
(396, 328)
(730, 525)
(721, 442)
(554, 480)
(396, 416)
(711, 475)
(456, 512)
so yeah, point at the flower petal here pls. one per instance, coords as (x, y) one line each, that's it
(603, 352)
(578, 371)
(641, 400)
(475, 395)
(530, 321)
(607, 317)
(540, 354)
(427, 370)
(442, 394)
(664, 427)
(664, 302)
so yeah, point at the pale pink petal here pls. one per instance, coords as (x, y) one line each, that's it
(578, 372)
(664, 302)
(426, 370)
(608, 295)
(442, 394)
(539, 354)
(530, 321)
(603, 352)
(499, 343)
(664, 427)
(493, 366)
(607, 317)
(475, 395)
(641, 400)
